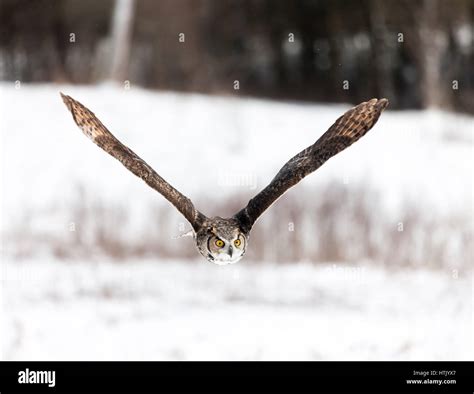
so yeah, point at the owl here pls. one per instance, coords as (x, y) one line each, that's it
(224, 240)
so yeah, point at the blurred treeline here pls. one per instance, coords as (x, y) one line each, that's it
(418, 53)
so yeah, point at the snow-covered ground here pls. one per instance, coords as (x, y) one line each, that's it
(214, 148)
(171, 310)
(201, 143)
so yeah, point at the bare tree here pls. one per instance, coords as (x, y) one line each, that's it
(432, 47)
(122, 28)
(381, 52)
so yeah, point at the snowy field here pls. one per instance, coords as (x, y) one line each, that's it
(58, 305)
(222, 150)
(201, 143)
(170, 310)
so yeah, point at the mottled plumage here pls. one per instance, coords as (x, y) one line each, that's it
(93, 128)
(224, 240)
(344, 132)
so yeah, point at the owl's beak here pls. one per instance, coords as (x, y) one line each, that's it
(231, 251)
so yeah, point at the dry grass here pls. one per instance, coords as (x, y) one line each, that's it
(340, 223)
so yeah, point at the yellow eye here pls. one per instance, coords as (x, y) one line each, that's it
(219, 243)
(237, 242)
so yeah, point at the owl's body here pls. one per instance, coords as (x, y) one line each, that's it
(219, 240)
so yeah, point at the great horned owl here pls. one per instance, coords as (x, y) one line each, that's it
(224, 240)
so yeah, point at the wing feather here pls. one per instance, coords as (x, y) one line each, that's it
(93, 128)
(351, 126)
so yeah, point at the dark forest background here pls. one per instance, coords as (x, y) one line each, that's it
(417, 53)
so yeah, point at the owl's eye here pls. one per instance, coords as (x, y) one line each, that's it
(237, 242)
(219, 243)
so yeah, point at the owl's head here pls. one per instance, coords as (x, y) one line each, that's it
(221, 241)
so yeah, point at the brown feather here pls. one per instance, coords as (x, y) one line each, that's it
(351, 126)
(93, 128)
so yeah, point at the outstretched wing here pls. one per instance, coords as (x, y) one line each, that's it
(344, 132)
(98, 133)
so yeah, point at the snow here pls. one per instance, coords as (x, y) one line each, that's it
(228, 144)
(214, 148)
(172, 310)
